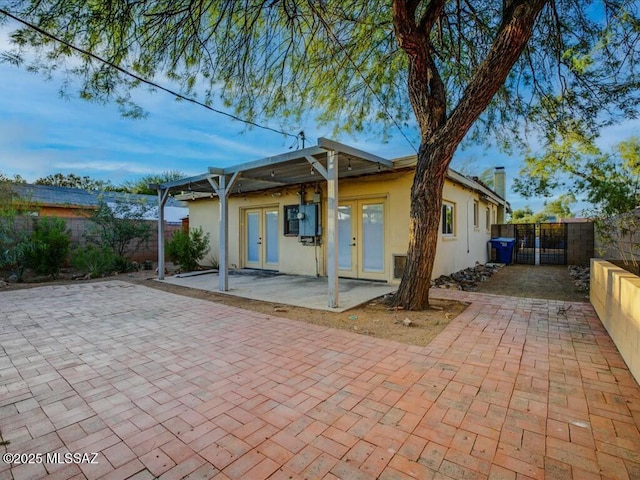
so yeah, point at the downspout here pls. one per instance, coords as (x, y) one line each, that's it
(468, 233)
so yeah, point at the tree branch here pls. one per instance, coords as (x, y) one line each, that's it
(431, 15)
(516, 28)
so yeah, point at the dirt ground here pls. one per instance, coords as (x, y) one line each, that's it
(375, 318)
(551, 282)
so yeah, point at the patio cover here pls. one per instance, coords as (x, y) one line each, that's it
(330, 159)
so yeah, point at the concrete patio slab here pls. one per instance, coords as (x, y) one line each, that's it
(297, 290)
(164, 386)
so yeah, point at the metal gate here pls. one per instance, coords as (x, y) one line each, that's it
(541, 244)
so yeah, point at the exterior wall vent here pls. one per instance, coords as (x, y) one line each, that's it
(399, 262)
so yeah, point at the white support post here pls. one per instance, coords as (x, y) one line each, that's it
(223, 244)
(223, 188)
(332, 227)
(162, 200)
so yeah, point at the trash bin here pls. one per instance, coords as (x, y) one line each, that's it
(504, 248)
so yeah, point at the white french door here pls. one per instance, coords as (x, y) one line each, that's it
(361, 239)
(261, 234)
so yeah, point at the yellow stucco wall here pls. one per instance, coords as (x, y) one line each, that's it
(467, 246)
(205, 213)
(615, 296)
(294, 257)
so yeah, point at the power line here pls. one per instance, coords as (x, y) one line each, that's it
(139, 78)
(366, 82)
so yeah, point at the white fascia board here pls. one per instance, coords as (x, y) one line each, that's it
(327, 144)
(459, 178)
(185, 181)
(274, 160)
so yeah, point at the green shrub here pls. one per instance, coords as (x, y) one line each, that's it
(17, 256)
(122, 225)
(187, 249)
(121, 264)
(212, 262)
(94, 261)
(52, 243)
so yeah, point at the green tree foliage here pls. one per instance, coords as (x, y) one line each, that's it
(560, 207)
(15, 245)
(524, 215)
(15, 179)
(94, 261)
(7, 196)
(473, 69)
(11, 205)
(469, 168)
(122, 225)
(609, 181)
(553, 210)
(44, 247)
(141, 185)
(187, 249)
(17, 252)
(72, 180)
(51, 245)
(620, 236)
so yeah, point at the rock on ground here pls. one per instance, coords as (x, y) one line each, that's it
(581, 275)
(468, 278)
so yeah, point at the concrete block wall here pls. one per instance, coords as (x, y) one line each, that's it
(580, 240)
(580, 243)
(503, 230)
(80, 226)
(624, 247)
(148, 251)
(615, 295)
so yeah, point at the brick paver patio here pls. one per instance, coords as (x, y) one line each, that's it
(166, 386)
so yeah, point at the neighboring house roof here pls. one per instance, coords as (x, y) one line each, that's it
(51, 196)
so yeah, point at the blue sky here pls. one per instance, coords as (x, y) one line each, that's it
(42, 133)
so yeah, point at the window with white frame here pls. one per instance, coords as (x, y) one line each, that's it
(448, 219)
(488, 218)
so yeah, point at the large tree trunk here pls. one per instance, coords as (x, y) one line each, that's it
(441, 134)
(424, 225)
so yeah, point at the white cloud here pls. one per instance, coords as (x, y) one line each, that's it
(243, 145)
(103, 166)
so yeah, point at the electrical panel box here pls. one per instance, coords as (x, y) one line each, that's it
(308, 220)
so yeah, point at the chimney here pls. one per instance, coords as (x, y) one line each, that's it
(500, 187)
(500, 182)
